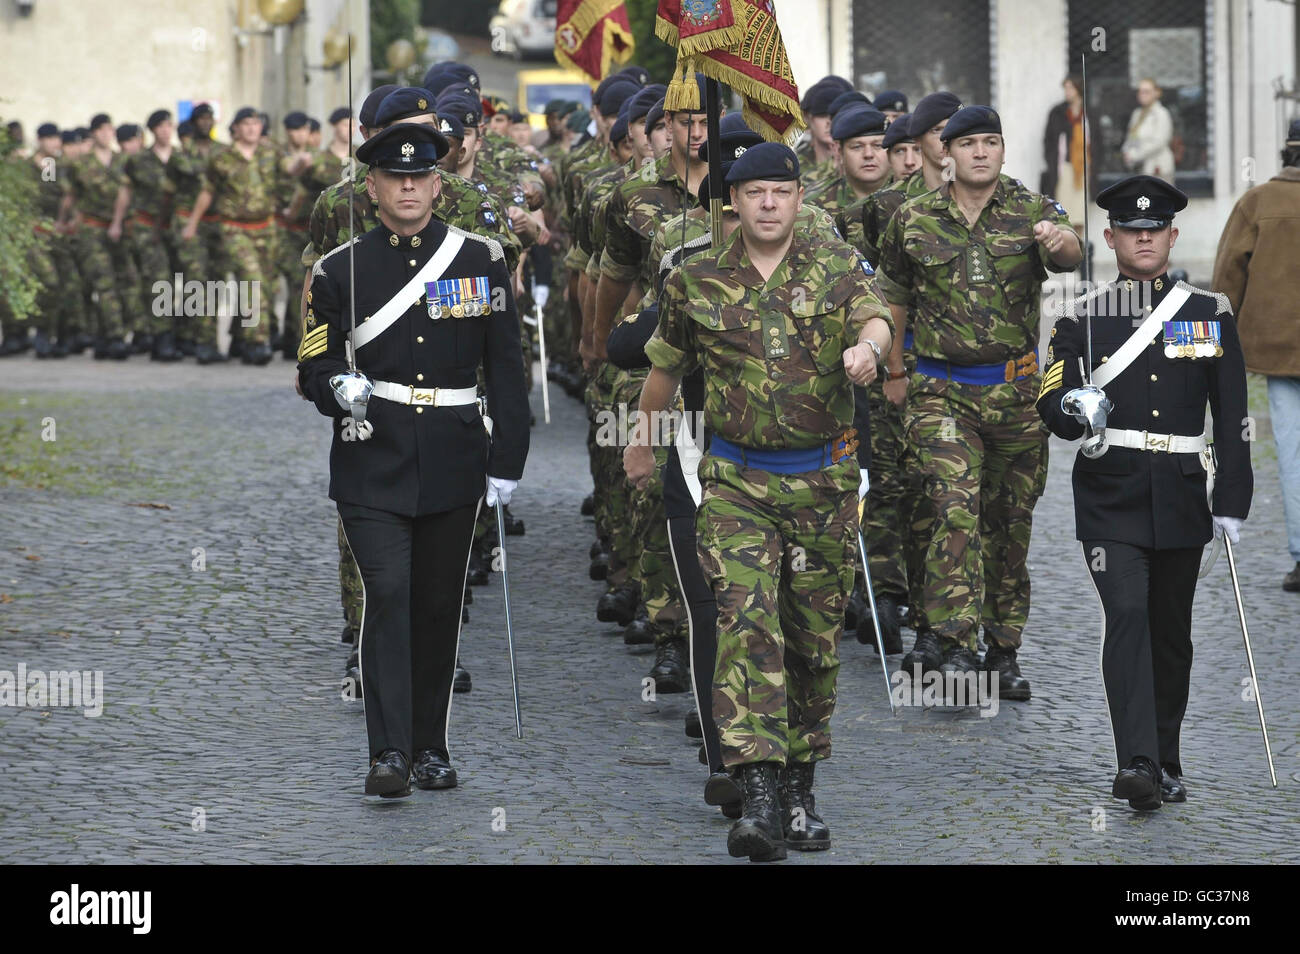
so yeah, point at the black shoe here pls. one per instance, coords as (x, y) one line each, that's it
(890, 628)
(704, 755)
(164, 348)
(477, 574)
(258, 354)
(1172, 788)
(758, 835)
(461, 682)
(671, 673)
(1139, 782)
(721, 789)
(619, 605)
(589, 506)
(639, 632)
(598, 546)
(41, 345)
(1291, 582)
(855, 612)
(432, 771)
(960, 668)
(206, 354)
(141, 344)
(118, 350)
(58, 350)
(803, 827)
(926, 653)
(185, 346)
(694, 730)
(514, 526)
(1011, 685)
(390, 775)
(349, 635)
(599, 568)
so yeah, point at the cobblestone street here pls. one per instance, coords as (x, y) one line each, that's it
(221, 699)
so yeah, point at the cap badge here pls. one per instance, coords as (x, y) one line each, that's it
(789, 166)
(1143, 203)
(445, 127)
(740, 151)
(408, 150)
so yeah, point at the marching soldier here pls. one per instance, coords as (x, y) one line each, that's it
(291, 225)
(817, 151)
(56, 322)
(1162, 351)
(892, 103)
(859, 131)
(240, 183)
(432, 304)
(782, 328)
(964, 265)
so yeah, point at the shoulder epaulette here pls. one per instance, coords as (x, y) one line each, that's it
(701, 241)
(1221, 303)
(1070, 309)
(494, 247)
(319, 267)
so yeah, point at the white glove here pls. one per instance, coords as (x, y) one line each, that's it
(1229, 525)
(541, 295)
(498, 488)
(864, 484)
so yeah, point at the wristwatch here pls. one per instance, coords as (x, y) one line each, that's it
(876, 348)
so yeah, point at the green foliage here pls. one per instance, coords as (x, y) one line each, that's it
(17, 200)
(651, 52)
(391, 20)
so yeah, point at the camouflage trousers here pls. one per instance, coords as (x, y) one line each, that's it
(611, 492)
(201, 260)
(288, 259)
(353, 595)
(895, 542)
(647, 525)
(250, 253)
(145, 245)
(778, 551)
(556, 320)
(49, 295)
(110, 274)
(982, 454)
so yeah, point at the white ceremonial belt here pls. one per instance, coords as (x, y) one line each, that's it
(429, 397)
(1162, 443)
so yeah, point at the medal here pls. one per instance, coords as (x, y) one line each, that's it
(458, 310)
(1171, 351)
(1218, 351)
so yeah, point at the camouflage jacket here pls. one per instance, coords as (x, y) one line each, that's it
(590, 154)
(836, 197)
(595, 208)
(148, 178)
(876, 210)
(49, 188)
(639, 205)
(772, 351)
(185, 173)
(244, 189)
(458, 204)
(512, 162)
(973, 293)
(94, 185)
(579, 218)
(325, 170)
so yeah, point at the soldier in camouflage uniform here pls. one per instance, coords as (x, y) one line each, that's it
(202, 260)
(968, 261)
(146, 174)
(637, 207)
(859, 131)
(816, 152)
(241, 184)
(54, 321)
(93, 186)
(782, 328)
(291, 225)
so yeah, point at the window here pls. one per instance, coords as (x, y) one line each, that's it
(1165, 40)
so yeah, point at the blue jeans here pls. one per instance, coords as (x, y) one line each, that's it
(1284, 406)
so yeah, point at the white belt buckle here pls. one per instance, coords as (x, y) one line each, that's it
(1155, 442)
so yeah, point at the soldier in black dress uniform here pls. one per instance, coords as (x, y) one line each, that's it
(433, 303)
(1161, 350)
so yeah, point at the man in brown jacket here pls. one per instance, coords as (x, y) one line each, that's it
(1255, 268)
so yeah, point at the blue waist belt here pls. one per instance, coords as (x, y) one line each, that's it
(1000, 373)
(794, 461)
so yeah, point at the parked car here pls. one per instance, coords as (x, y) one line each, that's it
(539, 87)
(523, 28)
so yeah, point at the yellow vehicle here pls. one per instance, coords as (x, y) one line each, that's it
(539, 87)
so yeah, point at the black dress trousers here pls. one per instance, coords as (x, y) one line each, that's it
(413, 573)
(1146, 657)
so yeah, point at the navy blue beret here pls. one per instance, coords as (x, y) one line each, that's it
(245, 112)
(734, 140)
(773, 161)
(99, 119)
(467, 109)
(295, 120)
(615, 95)
(339, 115)
(450, 125)
(156, 117)
(370, 105)
(847, 99)
(403, 103)
(46, 129)
(202, 109)
(404, 147)
(183, 129)
(441, 75)
(127, 131)
(898, 131)
(656, 113)
(972, 121)
(641, 104)
(637, 74)
(932, 110)
(858, 121)
(891, 99)
(618, 131)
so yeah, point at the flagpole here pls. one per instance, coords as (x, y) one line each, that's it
(713, 108)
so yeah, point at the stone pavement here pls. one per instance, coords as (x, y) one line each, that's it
(222, 709)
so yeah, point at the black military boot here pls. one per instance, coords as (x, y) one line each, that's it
(514, 526)
(855, 611)
(461, 682)
(960, 669)
(118, 349)
(81, 342)
(1291, 582)
(477, 574)
(721, 790)
(185, 346)
(758, 835)
(349, 634)
(59, 349)
(926, 653)
(141, 343)
(1139, 782)
(206, 354)
(694, 729)
(257, 354)
(41, 345)
(639, 632)
(589, 506)
(890, 627)
(1011, 685)
(804, 828)
(670, 672)
(352, 676)
(619, 604)
(164, 348)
